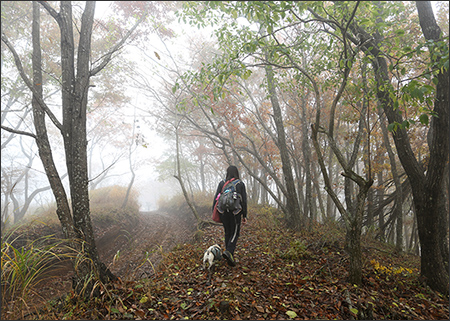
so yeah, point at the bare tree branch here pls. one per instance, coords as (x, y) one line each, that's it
(18, 132)
(108, 56)
(29, 84)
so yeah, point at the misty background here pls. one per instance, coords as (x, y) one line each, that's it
(143, 100)
(126, 133)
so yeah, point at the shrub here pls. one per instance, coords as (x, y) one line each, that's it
(296, 251)
(266, 216)
(200, 199)
(113, 197)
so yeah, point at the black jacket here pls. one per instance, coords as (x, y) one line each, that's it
(240, 188)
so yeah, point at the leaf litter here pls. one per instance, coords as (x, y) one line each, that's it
(280, 274)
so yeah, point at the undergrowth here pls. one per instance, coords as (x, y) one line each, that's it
(23, 268)
(30, 248)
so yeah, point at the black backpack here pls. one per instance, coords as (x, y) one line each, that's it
(229, 199)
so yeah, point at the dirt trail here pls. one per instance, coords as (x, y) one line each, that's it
(138, 246)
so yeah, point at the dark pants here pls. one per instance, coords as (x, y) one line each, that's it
(232, 226)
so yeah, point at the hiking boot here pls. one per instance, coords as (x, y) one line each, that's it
(229, 257)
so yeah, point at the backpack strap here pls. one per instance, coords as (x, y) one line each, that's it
(230, 181)
(235, 182)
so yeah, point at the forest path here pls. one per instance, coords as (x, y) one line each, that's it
(280, 274)
(140, 246)
(131, 250)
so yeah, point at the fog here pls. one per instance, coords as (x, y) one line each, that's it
(134, 113)
(131, 141)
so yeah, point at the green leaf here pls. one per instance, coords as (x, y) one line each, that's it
(246, 74)
(354, 311)
(174, 88)
(392, 127)
(364, 21)
(424, 119)
(291, 314)
(396, 105)
(114, 310)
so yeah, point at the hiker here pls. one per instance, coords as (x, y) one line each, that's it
(232, 222)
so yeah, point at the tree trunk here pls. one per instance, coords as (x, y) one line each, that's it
(398, 204)
(354, 235)
(292, 206)
(74, 102)
(130, 163)
(180, 180)
(264, 196)
(309, 206)
(202, 174)
(42, 141)
(443, 209)
(380, 198)
(319, 194)
(75, 142)
(426, 188)
(352, 216)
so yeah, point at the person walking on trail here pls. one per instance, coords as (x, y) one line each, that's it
(232, 219)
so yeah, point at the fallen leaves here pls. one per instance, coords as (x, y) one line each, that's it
(280, 275)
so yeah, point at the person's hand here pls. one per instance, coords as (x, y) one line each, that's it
(244, 220)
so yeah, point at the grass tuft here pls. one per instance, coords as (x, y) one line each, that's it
(24, 267)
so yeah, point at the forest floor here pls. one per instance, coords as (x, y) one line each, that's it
(279, 275)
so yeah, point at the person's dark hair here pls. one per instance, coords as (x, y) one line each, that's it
(232, 172)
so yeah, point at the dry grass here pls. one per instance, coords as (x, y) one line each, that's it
(30, 248)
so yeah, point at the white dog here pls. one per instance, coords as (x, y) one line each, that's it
(211, 256)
